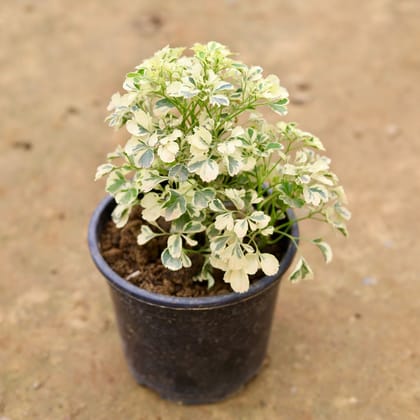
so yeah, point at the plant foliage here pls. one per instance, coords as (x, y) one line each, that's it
(201, 157)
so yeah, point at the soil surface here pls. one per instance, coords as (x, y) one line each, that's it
(141, 265)
(344, 346)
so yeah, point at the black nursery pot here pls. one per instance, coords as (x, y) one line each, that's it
(191, 350)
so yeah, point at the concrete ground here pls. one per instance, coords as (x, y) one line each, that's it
(345, 345)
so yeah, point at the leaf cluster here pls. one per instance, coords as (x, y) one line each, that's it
(202, 157)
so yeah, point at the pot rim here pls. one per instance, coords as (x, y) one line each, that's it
(157, 299)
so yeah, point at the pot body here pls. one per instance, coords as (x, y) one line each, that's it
(191, 350)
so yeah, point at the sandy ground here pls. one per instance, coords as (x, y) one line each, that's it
(345, 345)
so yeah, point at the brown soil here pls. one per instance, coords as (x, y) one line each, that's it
(120, 250)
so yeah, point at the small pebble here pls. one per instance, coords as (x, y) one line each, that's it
(36, 385)
(369, 281)
(300, 83)
(71, 109)
(22, 144)
(358, 133)
(303, 85)
(156, 21)
(132, 275)
(300, 98)
(392, 130)
(388, 244)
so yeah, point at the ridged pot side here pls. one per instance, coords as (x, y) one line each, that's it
(191, 350)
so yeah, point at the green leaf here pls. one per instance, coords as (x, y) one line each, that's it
(313, 142)
(126, 196)
(144, 159)
(190, 241)
(194, 227)
(279, 107)
(115, 182)
(301, 271)
(185, 259)
(233, 166)
(179, 172)
(274, 146)
(175, 206)
(218, 243)
(103, 169)
(170, 262)
(164, 103)
(120, 215)
(342, 211)
(217, 206)
(324, 248)
(202, 198)
(342, 229)
(223, 86)
(315, 194)
(283, 101)
(241, 227)
(146, 234)
(219, 100)
(175, 245)
(207, 169)
(151, 180)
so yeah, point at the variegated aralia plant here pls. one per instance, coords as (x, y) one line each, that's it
(202, 158)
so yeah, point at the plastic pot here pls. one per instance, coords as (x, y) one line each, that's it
(191, 350)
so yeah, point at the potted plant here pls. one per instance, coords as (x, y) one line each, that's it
(206, 186)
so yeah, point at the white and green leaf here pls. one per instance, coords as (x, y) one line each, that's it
(120, 215)
(103, 170)
(301, 271)
(115, 182)
(202, 198)
(175, 245)
(169, 261)
(269, 264)
(325, 248)
(145, 235)
(144, 158)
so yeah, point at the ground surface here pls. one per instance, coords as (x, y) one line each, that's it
(344, 346)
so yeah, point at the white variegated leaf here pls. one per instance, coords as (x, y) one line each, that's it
(241, 227)
(104, 169)
(167, 152)
(269, 264)
(208, 170)
(170, 262)
(219, 100)
(238, 280)
(190, 241)
(127, 196)
(315, 194)
(120, 215)
(175, 245)
(301, 271)
(145, 235)
(342, 211)
(115, 182)
(252, 263)
(325, 248)
(144, 158)
(224, 221)
(186, 261)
